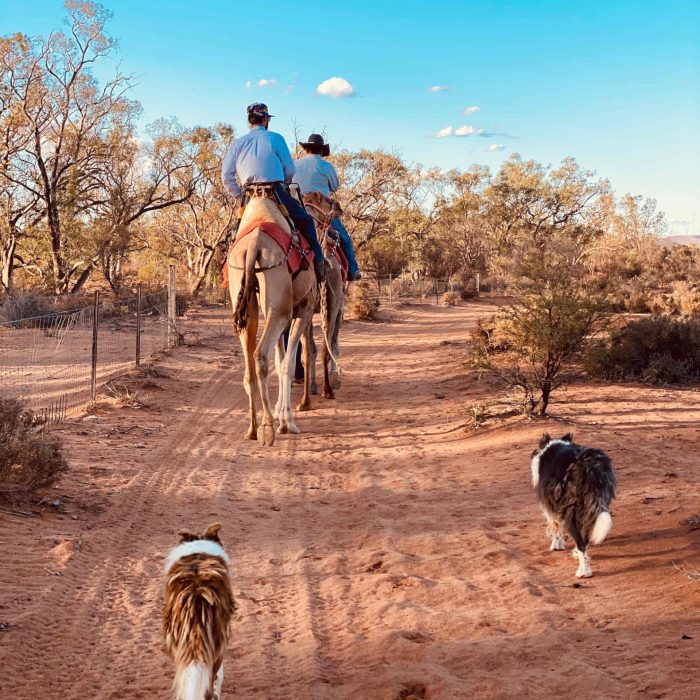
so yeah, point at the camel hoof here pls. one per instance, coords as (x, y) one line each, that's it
(328, 395)
(303, 407)
(250, 434)
(268, 435)
(335, 380)
(282, 429)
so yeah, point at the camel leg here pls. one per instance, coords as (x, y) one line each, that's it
(337, 320)
(327, 388)
(250, 379)
(313, 387)
(305, 404)
(274, 327)
(279, 355)
(287, 424)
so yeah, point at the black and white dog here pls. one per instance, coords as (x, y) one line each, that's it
(574, 486)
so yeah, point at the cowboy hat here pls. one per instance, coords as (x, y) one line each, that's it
(316, 142)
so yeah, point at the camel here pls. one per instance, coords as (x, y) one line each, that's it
(332, 297)
(259, 278)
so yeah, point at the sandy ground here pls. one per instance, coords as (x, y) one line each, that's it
(384, 553)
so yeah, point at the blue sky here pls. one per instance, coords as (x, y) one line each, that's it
(614, 84)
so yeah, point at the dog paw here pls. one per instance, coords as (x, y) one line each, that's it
(584, 573)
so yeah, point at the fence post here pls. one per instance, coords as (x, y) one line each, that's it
(138, 326)
(390, 292)
(477, 280)
(95, 326)
(172, 308)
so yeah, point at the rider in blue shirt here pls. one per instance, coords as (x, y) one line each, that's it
(313, 174)
(263, 156)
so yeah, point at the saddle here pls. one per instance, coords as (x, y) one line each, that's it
(296, 249)
(332, 247)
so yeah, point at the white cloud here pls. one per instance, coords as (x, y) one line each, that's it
(496, 147)
(468, 131)
(471, 110)
(265, 82)
(335, 87)
(248, 84)
(439, 88)
(444, 133)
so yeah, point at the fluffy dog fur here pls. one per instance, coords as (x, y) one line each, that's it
(574, 486)
(196, 614)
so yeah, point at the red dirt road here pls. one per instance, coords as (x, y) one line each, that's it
(381, 552)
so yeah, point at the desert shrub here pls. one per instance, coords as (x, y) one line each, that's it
(23, 304)
(30, 456)
(450, 298)
(531, 343)
(636, 297)
(403, 287)
(685, 297)
(362, 304)
(660, 350)
(466, 293)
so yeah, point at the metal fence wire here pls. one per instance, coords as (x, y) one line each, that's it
(55, 362)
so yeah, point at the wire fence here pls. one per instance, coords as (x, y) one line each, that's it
(392, 290)
(56, 362)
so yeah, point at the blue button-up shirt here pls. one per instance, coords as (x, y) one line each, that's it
(313, 174)
(258, 156)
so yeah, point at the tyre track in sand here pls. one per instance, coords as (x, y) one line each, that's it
(379, 551)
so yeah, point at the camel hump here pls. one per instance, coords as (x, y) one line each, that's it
(263, 210)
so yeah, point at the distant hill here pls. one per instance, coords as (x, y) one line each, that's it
(684, 240)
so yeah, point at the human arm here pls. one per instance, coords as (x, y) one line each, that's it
(333, 183)
(282, 151)
(228, 171)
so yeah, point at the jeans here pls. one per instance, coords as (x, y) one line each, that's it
(346, 243)
(302, 220)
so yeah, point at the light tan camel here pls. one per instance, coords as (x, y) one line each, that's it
(332, 298)
(259, 279)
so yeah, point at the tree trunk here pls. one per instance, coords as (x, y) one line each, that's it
(7, 262)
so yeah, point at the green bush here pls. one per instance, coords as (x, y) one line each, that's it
(660, 350)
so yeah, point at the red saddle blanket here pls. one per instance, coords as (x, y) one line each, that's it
(339, 255)
(298, 257)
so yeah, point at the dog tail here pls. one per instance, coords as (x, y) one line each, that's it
(601, 527)
(192, 682)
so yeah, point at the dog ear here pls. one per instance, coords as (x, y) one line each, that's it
(212, 533)
(568, 437)
(545, 440)
(187, 536)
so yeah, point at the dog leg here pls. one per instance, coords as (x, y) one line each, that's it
(218, 682)
(584, 565)
(555, 530)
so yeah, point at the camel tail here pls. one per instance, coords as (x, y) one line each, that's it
(240, 313)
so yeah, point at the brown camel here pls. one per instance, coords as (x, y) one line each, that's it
(332, 298)
(260, 279)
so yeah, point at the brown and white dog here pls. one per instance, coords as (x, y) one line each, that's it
(197, 612)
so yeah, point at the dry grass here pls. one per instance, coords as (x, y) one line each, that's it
(363, 305)
(450, 298)
(30, 455)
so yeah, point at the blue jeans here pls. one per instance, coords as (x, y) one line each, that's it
(346, 243)
(302, 220)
